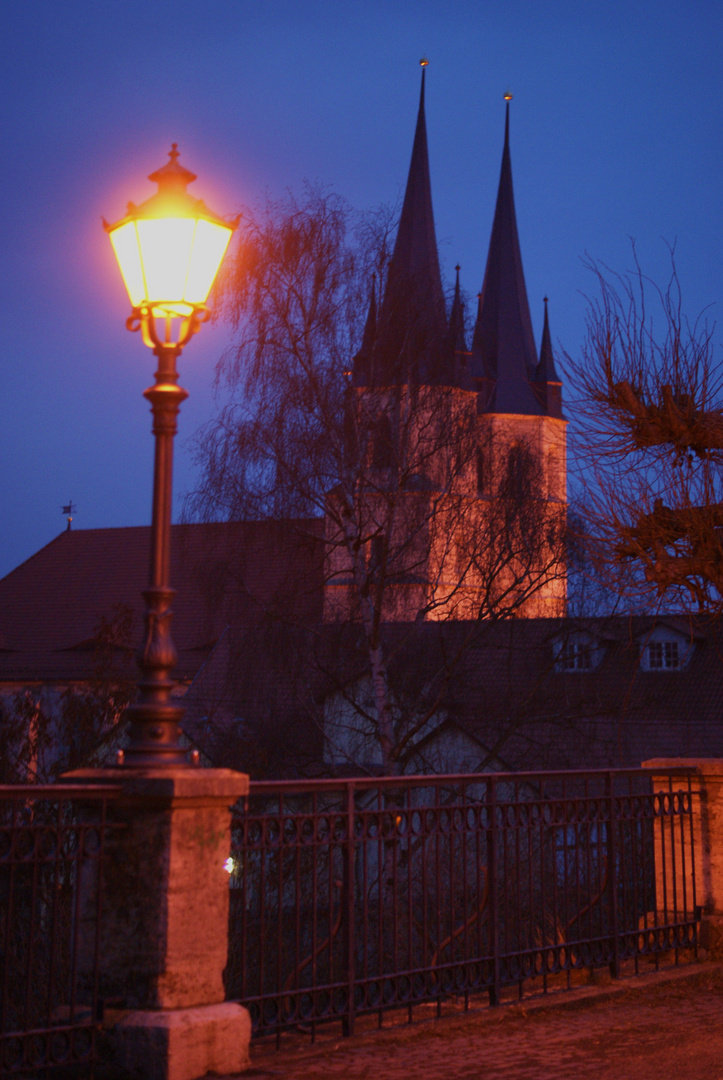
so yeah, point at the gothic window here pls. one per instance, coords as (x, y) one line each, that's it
(482, 468)
(520, 471)
(554, 475)
(376, 552)
(461, 558)
(382, 448)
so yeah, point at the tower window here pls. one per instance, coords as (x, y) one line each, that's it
(521, 472)
(482, 478)
(382, 449)
(554, 477)
(376, 553)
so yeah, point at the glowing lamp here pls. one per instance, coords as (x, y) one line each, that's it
(170, 248)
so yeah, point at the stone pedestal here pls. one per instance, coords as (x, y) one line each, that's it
(164, 929)
(704, 863)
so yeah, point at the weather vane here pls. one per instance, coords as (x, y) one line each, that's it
(69, 510)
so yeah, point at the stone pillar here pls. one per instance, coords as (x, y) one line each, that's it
(164, 927)
(707, 810)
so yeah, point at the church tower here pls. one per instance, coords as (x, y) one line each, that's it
(447, 439)
(521, 426)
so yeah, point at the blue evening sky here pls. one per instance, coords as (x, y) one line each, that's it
(616, 133)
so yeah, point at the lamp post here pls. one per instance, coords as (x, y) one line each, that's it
(169, 250)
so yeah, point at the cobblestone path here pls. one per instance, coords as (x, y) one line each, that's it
(667, 1024)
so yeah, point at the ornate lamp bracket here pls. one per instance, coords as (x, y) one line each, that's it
(143, 318)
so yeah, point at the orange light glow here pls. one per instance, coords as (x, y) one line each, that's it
(169, 263)
(170, 248)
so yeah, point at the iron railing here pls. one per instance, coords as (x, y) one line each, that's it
(52, 844)
(360, 896)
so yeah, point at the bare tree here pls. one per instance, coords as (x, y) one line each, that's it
(649, 444)
(430, 512)
(45, 731)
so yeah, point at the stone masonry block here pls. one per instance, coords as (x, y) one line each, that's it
(177, 1044)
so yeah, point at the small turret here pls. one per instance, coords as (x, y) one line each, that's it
(363, 360)
(456, 342)
(547, 381)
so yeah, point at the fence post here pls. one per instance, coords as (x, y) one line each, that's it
(348, 910)
(612, 875)
(492, 893)
(164, 931)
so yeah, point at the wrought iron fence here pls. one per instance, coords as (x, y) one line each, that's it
(52, 844)
(359, 896)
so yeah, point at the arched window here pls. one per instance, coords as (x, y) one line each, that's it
(376, 554)
(382, 446)
(482, 472)
(521, 472)
(554, 475)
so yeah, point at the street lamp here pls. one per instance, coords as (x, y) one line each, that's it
(169, 250)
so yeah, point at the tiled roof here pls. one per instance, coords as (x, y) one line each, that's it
(615, 714)
(509, 695)
(248, 628)
(50, 606)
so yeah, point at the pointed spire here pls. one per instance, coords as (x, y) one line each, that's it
(362, 360)
(503, 348)
(456, 318)
(546, 377)
(412, 320)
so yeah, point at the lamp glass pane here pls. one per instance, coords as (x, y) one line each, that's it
(209, 247)
(166, 245)
(127, 252)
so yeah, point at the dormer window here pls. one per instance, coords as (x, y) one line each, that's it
(577, 651)
(665, 649)
(663, 654)
(576, 656)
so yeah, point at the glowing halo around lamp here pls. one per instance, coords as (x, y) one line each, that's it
(169, 250)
